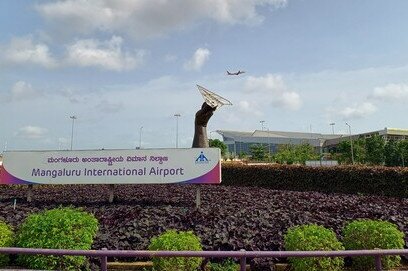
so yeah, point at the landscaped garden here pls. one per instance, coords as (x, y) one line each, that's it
(230, 218)
(244, 212)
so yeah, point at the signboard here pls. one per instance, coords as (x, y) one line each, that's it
(150, 166)
(322, 163)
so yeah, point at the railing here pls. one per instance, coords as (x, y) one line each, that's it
(242, 255)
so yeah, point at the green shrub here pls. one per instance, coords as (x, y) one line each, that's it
(6, 240)
(227, 265)
(61, 228)
(372, 234)
(313, 237)
(173, 240)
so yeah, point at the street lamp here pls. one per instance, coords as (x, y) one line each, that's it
(72, 129)
(351, 144)
(177, 117)
(332, 125)
(262, 124)
(140, 137)
(321, 142)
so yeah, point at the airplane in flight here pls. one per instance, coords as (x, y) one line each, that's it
(235, 73)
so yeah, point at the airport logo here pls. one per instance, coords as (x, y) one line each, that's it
(201, 159)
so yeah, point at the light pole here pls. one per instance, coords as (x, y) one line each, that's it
(140, 137)
(177, 117)
(262, 124)
(72, 129)
(351, 144)
(332, 125)
(321, 141)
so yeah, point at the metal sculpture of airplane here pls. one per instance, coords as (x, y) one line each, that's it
(235, 73)
(212, 99)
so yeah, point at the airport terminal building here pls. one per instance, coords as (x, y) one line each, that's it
(240, 142)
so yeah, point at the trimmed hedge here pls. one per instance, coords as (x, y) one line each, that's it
(383, 181)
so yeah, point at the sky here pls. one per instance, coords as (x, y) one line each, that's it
(125, 68)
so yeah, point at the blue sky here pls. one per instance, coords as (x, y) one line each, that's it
(122, 65)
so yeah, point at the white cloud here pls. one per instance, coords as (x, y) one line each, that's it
(289, 99)
(20, 91)
(31, 132)
(108, 54)
(23, 91)
(109, 107)
(103, 54)
(170, 58)
(391, 92)
(143, 19)
(358, 111)
(272, 88)
(269, 82)
(239, 12)
(249, 108)
(23, 51)
(199, 58)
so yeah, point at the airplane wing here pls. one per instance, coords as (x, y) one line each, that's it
(235, 73)
(212, 99)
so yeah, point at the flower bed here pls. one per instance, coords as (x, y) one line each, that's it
(231, 218)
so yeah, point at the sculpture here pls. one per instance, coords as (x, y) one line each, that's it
(212, 102)
(202, 117)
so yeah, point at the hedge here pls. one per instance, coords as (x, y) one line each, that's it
(383, 181)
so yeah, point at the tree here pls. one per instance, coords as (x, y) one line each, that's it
(344, 151)
(216, 143)
(360, 151)
(374, 146)
(290, 154)
(392, 155)
(403, 150)
(257, 151)
(242, 155)
(285, 154)
(305, 152)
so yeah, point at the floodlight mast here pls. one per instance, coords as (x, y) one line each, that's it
(177, 115)
(72, 129)
(332, 125)
(351, 144)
